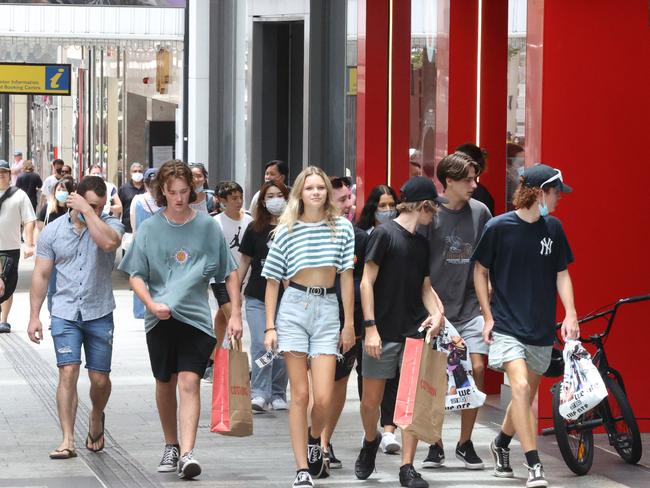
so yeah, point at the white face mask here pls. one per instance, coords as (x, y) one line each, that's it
(137, 177)
(276, 205)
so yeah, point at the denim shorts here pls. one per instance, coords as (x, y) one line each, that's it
(96, 336)
(308, 323)
(506, 348)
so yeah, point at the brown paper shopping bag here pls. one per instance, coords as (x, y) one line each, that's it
(231, 402)
(428, 409)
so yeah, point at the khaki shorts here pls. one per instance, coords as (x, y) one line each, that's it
(506, 348)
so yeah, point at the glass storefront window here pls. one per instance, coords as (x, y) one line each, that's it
(516, 101)
(350, 134)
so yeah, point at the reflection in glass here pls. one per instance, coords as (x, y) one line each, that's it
(516, 101)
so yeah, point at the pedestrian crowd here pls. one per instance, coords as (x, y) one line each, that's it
(323, 295)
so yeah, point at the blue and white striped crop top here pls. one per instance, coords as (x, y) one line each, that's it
(310, 245)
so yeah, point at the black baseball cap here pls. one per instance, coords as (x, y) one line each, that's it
(543, 176)
(4, 165)
(419, 189)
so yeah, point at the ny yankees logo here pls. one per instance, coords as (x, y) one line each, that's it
(546, 243)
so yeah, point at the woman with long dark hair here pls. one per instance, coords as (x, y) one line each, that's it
(380, 207)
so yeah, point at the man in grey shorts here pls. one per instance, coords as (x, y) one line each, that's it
(525, 255)
(452, 238)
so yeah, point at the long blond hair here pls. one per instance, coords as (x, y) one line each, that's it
(296, 207)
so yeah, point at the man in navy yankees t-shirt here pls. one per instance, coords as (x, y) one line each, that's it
(525, 255)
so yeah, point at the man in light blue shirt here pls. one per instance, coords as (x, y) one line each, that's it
(81, 246)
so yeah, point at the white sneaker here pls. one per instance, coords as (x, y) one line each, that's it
(279, 404)
(389, 443)
(258, 404)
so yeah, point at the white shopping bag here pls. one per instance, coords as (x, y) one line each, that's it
(582, 386)
(462, 392)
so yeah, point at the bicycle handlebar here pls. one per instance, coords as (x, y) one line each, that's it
(612, 312)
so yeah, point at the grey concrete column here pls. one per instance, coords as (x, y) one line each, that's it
(198, 83)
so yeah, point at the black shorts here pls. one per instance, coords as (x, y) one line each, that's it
(220, 293)
(344, 367)
(175, 347)
(11, 273)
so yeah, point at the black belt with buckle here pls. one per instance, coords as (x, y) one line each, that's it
(313, 290)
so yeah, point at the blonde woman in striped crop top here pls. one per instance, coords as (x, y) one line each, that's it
(311, 244)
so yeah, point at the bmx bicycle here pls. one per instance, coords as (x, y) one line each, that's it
(575, 437)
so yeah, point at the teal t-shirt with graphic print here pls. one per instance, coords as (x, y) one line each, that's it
(177, 262)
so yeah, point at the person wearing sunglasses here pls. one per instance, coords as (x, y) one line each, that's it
(525, 256)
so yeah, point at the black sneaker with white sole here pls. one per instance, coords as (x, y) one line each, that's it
(315, 458)
(435, 458)
(536, 477)
(335, 463)
(303, 480)
(409, 477)
(169, 461)
(501, 456)
(188, 467)
(365, 463)
(466, 453)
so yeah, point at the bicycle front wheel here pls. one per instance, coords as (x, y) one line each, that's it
(576, 444)
(620, 423)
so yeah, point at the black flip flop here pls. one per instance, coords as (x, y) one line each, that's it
(63, 454)
(91, 440)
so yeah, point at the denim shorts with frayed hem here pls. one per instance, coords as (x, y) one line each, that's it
(96, 336)
(308, 323)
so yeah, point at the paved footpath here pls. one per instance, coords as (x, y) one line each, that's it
(29, 429)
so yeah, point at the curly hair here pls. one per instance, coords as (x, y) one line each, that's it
(172, 169)
(526, 196)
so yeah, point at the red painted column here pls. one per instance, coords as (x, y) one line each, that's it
(463, 47)
(400, 89)
(372, 95)
(494, 90)
(594, 127)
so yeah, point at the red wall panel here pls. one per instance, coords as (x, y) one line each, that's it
(595, 105)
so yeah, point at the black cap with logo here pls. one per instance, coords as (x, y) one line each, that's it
(419, 189)
(543, 176)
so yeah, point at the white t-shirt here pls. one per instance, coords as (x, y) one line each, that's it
(49, 185)
(16, 210)
(233, 231)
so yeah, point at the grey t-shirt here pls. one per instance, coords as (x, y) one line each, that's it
(452, 237)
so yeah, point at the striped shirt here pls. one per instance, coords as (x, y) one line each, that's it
(310, 245)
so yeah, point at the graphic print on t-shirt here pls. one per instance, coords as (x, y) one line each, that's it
(456, 251)
(181, 256)
(547, 244)
(234, 243)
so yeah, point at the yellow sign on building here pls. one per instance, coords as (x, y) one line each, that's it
(35, 79)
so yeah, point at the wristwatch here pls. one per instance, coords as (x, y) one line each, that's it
(369, 323)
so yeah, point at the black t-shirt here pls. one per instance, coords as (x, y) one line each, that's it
(30, 182)
(126, 194)
(403, 260)
(524, 260)
(256, 246)
(42, 213)
(360, 242)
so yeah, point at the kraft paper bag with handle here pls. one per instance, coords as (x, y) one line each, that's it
(420, 406)
(231, 403)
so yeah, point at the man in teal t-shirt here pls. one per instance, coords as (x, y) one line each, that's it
(171, 262)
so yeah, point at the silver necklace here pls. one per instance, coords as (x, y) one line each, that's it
(174, 224)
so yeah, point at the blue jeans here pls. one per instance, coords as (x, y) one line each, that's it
(51, 289)
(96, 336)
(269, 382)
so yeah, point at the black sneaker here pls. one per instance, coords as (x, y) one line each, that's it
(303, 480)
(365, 464)
(169, 461)
(334, 462)
(5, 328)
(467, 454)
(315, 458)
(188, 467)
(501, 456)
(536, 477)
(408, 476)
(435, 458)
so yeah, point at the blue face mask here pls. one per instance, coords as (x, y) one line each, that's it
(383, 216)
(61, 196)
(543, 208)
